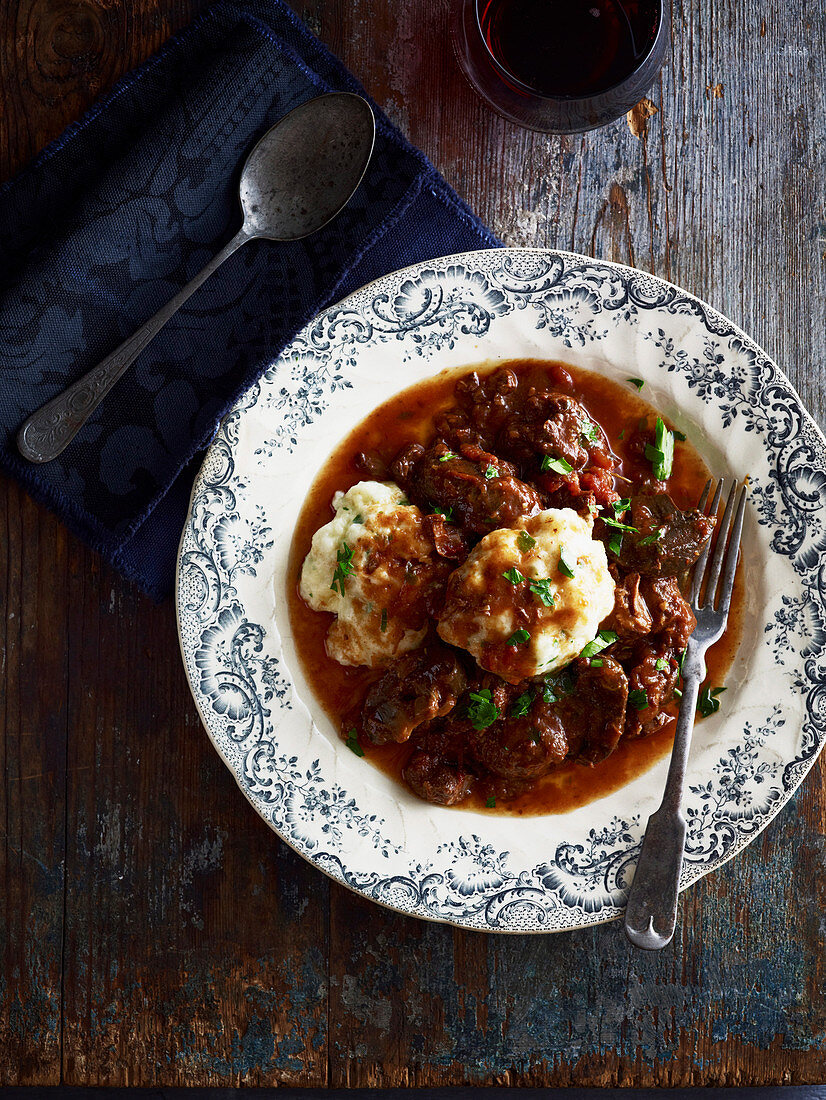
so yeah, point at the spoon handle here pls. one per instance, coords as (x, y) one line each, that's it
(46, 432)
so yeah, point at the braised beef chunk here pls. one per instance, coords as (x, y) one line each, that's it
(415, 689)
(447, 538)
(548, 423)
(596, 708)
(631, 616)
(666, 541)
(403, 465)
(672, 620)
(436, 779)
(525, 747)
(651, 687)
(479, 491)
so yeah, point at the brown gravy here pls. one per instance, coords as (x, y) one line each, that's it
(408, 417)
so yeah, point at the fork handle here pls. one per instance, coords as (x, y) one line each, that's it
(651, 912)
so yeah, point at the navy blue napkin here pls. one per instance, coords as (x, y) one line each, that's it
(124, 208)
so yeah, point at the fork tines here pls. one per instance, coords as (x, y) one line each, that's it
(729, 530)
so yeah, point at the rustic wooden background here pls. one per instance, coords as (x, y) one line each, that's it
(152, 930)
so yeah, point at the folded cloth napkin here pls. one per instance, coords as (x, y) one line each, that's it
(123, 209)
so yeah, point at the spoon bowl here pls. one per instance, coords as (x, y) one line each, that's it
(301, 173)
(303, 170)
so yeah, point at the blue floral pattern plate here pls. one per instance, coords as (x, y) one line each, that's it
(473, 869)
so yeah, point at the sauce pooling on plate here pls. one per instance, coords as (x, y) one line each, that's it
(485, 586)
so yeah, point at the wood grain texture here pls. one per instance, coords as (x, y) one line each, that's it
(154, 932)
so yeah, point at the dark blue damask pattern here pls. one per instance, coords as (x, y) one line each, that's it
(127, 206)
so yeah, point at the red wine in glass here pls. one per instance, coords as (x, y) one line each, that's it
(561, 65)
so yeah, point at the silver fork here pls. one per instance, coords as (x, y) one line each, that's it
(651, 913)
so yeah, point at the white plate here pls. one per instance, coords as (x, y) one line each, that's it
(482, 870)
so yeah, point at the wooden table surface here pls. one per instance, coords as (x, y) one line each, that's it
(153, 931)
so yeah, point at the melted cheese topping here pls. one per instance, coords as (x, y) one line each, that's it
(485, 609)
(380, 613)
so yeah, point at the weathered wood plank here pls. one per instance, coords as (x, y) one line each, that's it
(33, 662)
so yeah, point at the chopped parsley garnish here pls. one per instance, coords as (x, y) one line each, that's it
(383, 619)
(525, 542)
(490, 472)
(557, 687)
(621, 506)
(638, 382)
(353, 745)
(677, 693)
(651, 538)
(481, 710)
(446, 512)
(708, 702)
(513, 575)
(522, 705)
(661, 664)
(603, 639)
(405, 503)
(564, 566)
(358, 519)
(542, 590)
(344, 567)
(490, 802)
(679, 435)
(597, 662)
(661, 453)
(519, 637)
(620, 526)
(558, 465)
(622, 434)
(615, 543)
(638, 698)
(588, 430)
(447, 455)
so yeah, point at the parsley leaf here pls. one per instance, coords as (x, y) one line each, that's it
(352, 743)
(597, 662)
(490, 472)
(542, 590)
(638, 382)
(344, 558)
(557, 687)
(358, 519)
(490, 802)
(679, 435)
(621, 506)
(589, 431)
(615, 543)
(604, 638)
(638, 698)
(558, 465)
(446, 512)
(525, 541)
(522, 705)
(661, 454)
(661, 664)
(519, 637)
(447, 455)
(564, 566)
(651, 538)
(383, 619)
(616, 523)
(708, 702)
(513, 575)
(481, 710)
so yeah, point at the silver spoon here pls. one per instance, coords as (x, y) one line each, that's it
(296, 179)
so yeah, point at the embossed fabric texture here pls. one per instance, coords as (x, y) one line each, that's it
(123, 209)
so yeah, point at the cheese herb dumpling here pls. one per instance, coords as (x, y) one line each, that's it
(528, 600)
(374, 566)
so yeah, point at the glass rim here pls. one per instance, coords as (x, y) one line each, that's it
(526, 89)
